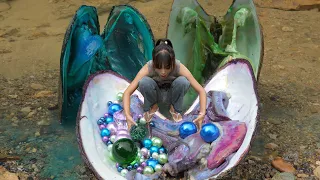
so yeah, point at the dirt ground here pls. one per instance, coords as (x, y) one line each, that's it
(31, 35)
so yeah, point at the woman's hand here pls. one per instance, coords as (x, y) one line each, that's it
(198, 121)
(130, 122)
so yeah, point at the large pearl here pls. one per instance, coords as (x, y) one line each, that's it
(147, 143)
(148, 170)
(186, 129)
(156, 142)
(158, 168)
(209, 132)
(163, 158)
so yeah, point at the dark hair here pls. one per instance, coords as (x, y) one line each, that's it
(163, 54)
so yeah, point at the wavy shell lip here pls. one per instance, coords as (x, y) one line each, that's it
(235, 78)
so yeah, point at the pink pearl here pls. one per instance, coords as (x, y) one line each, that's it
(139, 169)
(143, 164)
(105, 139)
(102, 126)
(106, 115)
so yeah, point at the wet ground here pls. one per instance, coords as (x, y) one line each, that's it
(33, 145)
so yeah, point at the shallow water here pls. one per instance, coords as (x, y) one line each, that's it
(31, 34)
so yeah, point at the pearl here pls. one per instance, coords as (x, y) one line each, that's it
(147, 143)
(142, 121)
(209, 132)
(105, 132)
(156, 142)
(154, 149)
(139, 169)
(158, 168)
(124, 172)
(109, 147)
(99, 122)
(148, 170)
(119, 96)
(186, 129)
(163, 158)
(113, 138)
(119, 169)
(105, 139)
(109, 119)
(155, 155)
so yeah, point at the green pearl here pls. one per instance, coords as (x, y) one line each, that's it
(109, 147)
(156, 142)
(163, 158)
(158, 168)
(141, 160)
(113, 138)
(142, 121)
(155, 155)
(120, 96)
(148, 170)
(124, 172)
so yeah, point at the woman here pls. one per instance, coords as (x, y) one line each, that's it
(163, 79)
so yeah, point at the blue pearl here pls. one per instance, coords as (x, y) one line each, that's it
(152, 162)
(105, 132)
(154, 149)
(152, 124)
(109, 119)
(103, 119)
(162, 150)
(186, 129)
(129, 168)
(114, 108)
(119, 169)
(209, 132)
(136, 165)
(109, 142)
(147, 143)
(99, 122)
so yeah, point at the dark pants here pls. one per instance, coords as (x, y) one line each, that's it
(173, 96)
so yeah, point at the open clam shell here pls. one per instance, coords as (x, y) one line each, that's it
(235, 78)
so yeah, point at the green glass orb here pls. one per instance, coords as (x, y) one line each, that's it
(163, 158)
(124, 151)
(158, 168)
(156, 142)
(119, 96)
(148, 170)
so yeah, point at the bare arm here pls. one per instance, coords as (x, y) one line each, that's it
(202, 93)
(131, 88)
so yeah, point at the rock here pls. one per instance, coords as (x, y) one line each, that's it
(318, 163)
(282, 166)
(6, 175)
(13, 96)
(37, 134)
(36, 86)
(274, 121)
(316, 172)
(26, 110)
(273, 136)
(42, 94)
(302, 175)
(271, 146)
(43, 123)
(283, 176)
(287, 29)
(4, 6)
(30, 115)
(297, 5)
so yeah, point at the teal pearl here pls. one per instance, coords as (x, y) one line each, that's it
(156, 142)
(163, 158)
(147, 143)
(119, 96)
(158, 168)
(148, 170)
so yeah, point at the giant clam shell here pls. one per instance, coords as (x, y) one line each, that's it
(235, 78)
